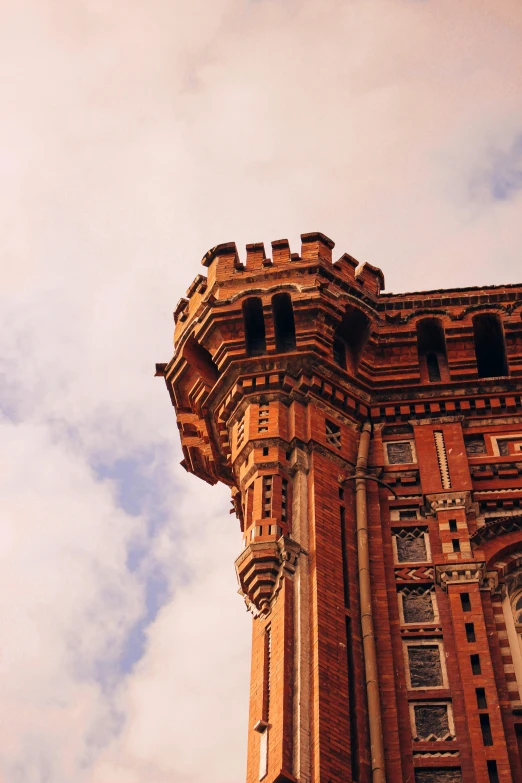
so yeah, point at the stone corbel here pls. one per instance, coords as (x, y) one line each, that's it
(449, 501)
(460, 573)
(261, 569)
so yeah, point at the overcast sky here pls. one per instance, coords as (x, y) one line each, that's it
(134, 136)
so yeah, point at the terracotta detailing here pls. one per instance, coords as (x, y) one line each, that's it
(383, 574)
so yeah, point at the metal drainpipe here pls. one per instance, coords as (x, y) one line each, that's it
(368, 635)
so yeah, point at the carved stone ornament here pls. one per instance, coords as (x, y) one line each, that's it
(448, 501)
(460, 573)
(261, 568)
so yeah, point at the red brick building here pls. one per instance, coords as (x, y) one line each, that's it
(373, 446)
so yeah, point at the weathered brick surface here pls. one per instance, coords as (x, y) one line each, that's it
(257, 421)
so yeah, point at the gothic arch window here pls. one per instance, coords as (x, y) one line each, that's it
(431, 347)
(350, 339)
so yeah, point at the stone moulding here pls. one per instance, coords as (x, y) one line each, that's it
(460, 573)
(261, 568)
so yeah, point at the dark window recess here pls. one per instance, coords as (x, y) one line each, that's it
(475, 444)
(470, 632)
(417, 606)
(466, 603)
(425, 666)
(399, 453)
(350, 339)
(411, 545)
(485, 727)
(453, 525)
(431, 722)
(492, 771)
(438, 775)
(288, 455)
(409, 513)
(432, 363)
(481, 698)
(431, 347)
(333, 434)
(283, 322)
(341, 493)
(475, 664)
(456, 544)
(490, 348)
(254, 326)
(265, 451)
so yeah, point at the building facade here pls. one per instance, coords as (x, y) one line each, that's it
(372, 443)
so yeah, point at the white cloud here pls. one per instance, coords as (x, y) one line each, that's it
(134, 137)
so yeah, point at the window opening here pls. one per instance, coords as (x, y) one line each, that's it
(466, 603)
(344, 555)
(263, 418)
(470, 632)
(492, 771)
(475, 664)
(254, 326)
(453, 525)
(241, 432)
(456, 544)
(202, 360)
(350, 339)
(485, 726)
(490, 348)
(284, 323)
(481, 698)
(265, 451)
(409, 513)
(431, 347)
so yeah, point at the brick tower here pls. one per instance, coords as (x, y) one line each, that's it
(373, 446)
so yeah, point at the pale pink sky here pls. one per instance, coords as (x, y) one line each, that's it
(135, 136)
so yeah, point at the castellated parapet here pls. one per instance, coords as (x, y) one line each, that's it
(373, 446)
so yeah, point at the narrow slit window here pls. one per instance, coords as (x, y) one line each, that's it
(481, 698)
(254, 321)
(492, 771)
(284, 499)
(456, 544)
(267, 496)
(485, 727)
(490, 347)
(470, 632)
(453, 525)
(466, 603)
(475, 664)
(284, 323)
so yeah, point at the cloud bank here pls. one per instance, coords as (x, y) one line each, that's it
(134, 137)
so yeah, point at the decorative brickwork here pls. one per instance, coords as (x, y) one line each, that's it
(284, 368)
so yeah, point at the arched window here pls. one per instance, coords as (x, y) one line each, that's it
(284, 324)
(350, 339)
(490, 348)
(512, 609)
(431, 347)
(254, 326)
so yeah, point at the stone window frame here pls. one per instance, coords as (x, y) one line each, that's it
(431, 589)
(505, 436)
(410, 441)
(451, 719)
(410, 562)
(425, 643)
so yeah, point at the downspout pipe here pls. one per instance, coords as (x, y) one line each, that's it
(365, 599)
